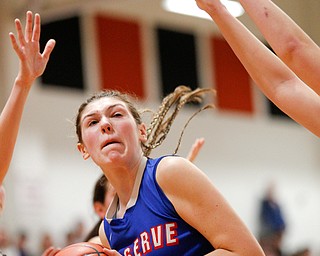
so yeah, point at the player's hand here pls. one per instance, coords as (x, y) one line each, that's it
(207, 5)
(194, 151)
(27, 47)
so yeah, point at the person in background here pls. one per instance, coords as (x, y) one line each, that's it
(46, 241)
(7, 245)
(272, 223)
(22, 241)
(78, 231)
(32, 65)
(102, 196)
(290, 79)
(303, 252)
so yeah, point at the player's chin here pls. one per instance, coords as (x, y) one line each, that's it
(114, 156)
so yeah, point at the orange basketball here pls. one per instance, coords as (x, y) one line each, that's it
(82, 249)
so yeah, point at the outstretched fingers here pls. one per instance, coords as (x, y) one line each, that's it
(36, 28)
(48, 49)
(15, 45)
(20, 35)
(28, 27)
(26, 45)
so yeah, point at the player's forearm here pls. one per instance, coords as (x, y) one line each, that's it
(262, 65)
(276, 26)
(9, 124)
(287, 39)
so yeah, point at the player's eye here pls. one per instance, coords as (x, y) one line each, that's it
(92, 122)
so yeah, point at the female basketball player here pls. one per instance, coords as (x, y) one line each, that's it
(165, 205)
(32, 65)
(290, 81)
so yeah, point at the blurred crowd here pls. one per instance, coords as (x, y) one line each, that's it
(19, 244)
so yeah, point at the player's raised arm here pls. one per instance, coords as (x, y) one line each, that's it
(272, 75)
(32, 65)
(295, 48)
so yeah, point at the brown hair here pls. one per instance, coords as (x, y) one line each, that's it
(100, 189)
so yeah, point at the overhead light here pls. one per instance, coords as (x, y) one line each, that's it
(189, 7)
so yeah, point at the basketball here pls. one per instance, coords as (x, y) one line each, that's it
(82, 249)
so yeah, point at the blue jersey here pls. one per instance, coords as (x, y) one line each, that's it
(152, 226)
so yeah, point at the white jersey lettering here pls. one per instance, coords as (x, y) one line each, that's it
(159, 236)
(145, 242)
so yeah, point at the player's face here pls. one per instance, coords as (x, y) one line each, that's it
(109, 132)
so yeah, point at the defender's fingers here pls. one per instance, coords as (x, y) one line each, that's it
(15, 45)
(48, 49)
(28, 28)
(36, 28)
(19, 32)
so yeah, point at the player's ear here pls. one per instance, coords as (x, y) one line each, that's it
(143, 132)
(82, 149)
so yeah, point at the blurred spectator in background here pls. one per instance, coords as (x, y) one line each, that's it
(69, 238)
(272, 223)
(75, 234)
(46, 242)
(22, 244)
(102, 196)
(78, 231)
(303, 252)
(7, 246)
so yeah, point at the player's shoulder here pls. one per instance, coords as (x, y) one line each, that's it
(173, 167)
(173, 162)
